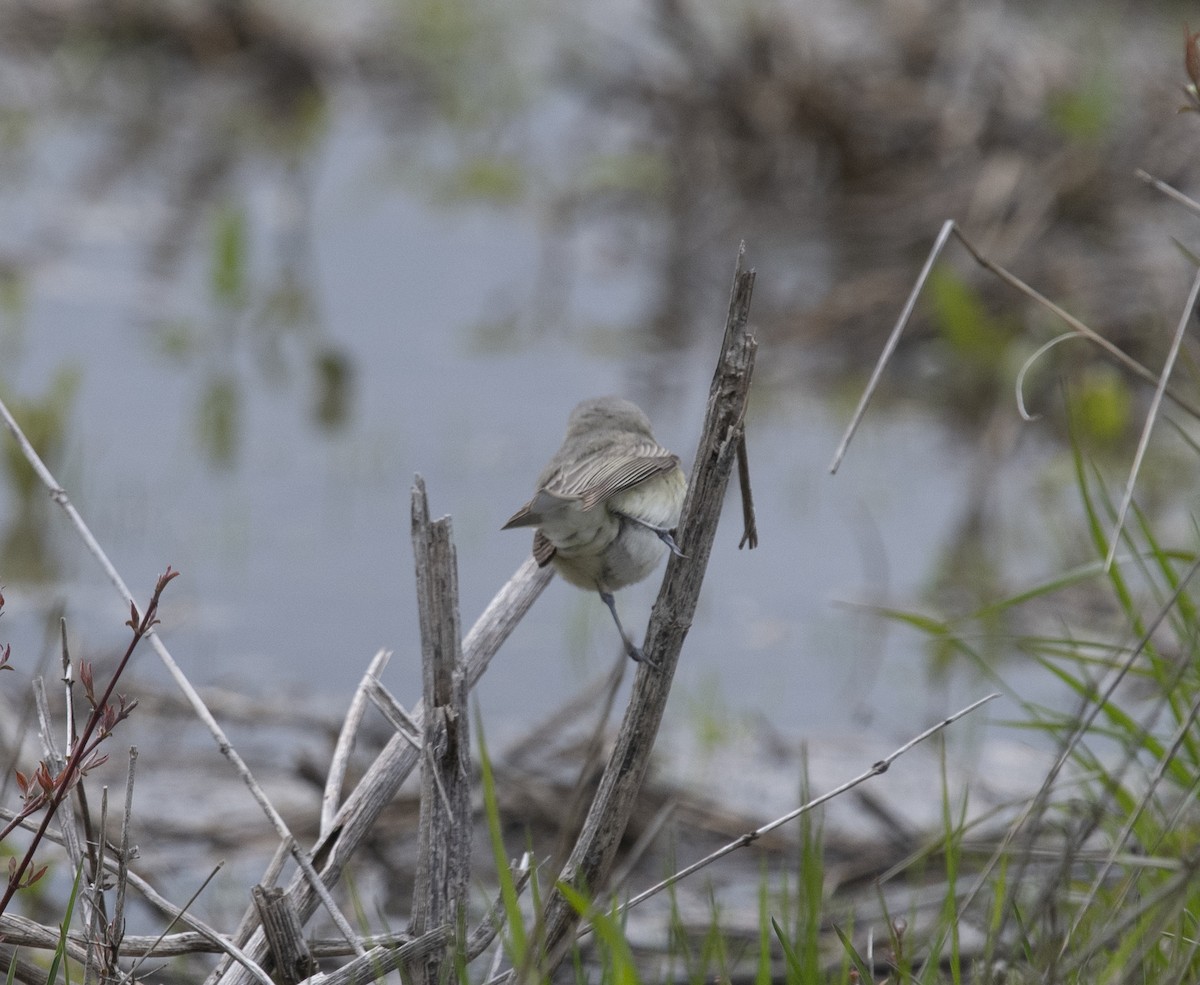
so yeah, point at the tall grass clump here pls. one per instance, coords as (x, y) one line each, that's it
(1095, 877)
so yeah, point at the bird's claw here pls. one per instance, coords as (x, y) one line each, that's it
(666, 538)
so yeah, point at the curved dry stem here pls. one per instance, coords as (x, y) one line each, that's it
(1026, 366)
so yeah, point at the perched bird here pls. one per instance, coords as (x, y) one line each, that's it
(606, 503)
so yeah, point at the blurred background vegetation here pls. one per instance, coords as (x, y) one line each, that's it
(261, 261)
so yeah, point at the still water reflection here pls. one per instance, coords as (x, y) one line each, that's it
(238, 326)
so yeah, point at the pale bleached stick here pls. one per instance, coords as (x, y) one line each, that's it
(68, 679)
(123, 854)
(1151, 417)
(890, 346)
(345, 741)
(400, 720)
(372, 967)
(67, 819)
(96, 895)
(24, 932)
(444, 831)
(1171, 193)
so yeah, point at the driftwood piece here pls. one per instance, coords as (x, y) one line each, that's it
(591, 860)
(444, 834)
(377, 962)
(285, 935)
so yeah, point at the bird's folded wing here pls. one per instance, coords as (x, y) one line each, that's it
(597, 479)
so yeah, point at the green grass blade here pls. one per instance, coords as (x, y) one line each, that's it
(515, 936)
(865, 973)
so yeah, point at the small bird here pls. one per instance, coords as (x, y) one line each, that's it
(607, 502)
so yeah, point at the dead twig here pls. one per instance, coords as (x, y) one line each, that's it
(1172, 193)
(45, 791)
(123, 855)
(893, 340)
(444, 834)
(345, 741)
(1151, 417)
(591, 860)
(377, 962)
(878, 768)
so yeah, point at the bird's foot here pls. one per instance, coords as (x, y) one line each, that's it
(666, 538)
(637, 655)
(665, 534)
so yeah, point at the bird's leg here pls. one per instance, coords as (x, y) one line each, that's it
(631, 648)
(663, 533)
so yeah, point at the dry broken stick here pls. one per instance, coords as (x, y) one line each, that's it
(444, 834)
(749, 521)
(591, 860)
